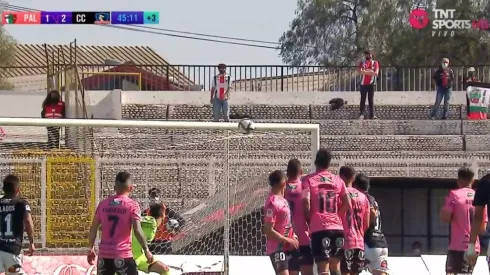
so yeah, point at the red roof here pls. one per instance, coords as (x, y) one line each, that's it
(150, 81)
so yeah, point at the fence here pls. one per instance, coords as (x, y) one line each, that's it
(249, 77)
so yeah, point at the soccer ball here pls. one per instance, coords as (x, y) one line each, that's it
(245, 126)
(172, 224)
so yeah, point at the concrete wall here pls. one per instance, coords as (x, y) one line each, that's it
(285, 98)
(108, 104)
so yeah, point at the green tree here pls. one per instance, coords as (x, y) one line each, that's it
(335, 33)
(7, 55)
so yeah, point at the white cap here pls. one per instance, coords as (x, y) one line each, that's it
(471, 69)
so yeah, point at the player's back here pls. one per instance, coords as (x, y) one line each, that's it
(374, 237)
(460, 202)
(12, 213)
(293, 195)
(115, 215)
(326, 190)
(149, 227)
(354, 219)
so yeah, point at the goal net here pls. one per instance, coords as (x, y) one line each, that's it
(211, 174)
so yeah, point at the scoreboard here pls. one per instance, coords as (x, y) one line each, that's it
(81, 17)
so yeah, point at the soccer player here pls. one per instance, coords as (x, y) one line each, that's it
(116, 216)
(162, 243)
(356, 222)
(15, 213)
(325, 199)
(480, 201)
(303, 260)
(375, 244)
(281, 241)
(149, 225)
(458, 211)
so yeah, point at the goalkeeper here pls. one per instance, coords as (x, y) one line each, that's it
(149, 224)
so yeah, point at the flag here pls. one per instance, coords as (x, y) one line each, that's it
(10, 18)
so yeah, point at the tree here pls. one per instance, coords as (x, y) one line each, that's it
(335, 33)
(7, 55)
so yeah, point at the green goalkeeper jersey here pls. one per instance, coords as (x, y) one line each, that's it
(149, 226)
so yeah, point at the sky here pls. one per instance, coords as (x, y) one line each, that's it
(251, 19)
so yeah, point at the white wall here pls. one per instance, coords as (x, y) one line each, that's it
(284, 98)
(425, 265)
(239, 265)
(107, 104)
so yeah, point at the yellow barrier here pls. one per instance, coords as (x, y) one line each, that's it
(68, 197)
(116, 74)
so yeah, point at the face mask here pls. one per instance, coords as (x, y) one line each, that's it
(368, 57)
(416, 252)
(444, 65)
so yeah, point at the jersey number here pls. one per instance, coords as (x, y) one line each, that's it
(327, 202)
(114, 221)
(354, 216)
(6, 227)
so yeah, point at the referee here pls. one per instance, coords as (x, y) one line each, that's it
(481, 199)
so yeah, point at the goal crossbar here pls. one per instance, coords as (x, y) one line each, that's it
(10, 121)
(314, 129)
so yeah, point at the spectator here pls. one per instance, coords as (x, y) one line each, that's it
(369, 70)
(162, 244)
(220, 94)
(54, 108)
(416, 249)
(471, 77)
(443, 77)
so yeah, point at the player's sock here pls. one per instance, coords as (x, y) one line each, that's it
(325, 273)
(335, 273)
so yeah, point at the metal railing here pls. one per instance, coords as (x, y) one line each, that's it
(250, 77)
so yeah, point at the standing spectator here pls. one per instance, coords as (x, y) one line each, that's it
(443, 77)
(162, 243)
(471, 77)
(54, 108)
(369, 70)
(220, 94)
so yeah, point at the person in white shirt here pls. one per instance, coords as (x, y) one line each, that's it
(220, 94)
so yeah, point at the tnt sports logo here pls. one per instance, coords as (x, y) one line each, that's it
(419, 19)
(444, 22)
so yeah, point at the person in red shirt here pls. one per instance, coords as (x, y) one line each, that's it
(53, 108)
(369, 70)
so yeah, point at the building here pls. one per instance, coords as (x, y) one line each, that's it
(98, 67)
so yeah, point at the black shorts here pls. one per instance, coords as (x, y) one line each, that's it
(288, 260)
(455, 263)
(125, 266)
(327, 244)
(305, 255)
(353, 260)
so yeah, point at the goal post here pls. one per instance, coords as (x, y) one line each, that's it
(213, 175)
